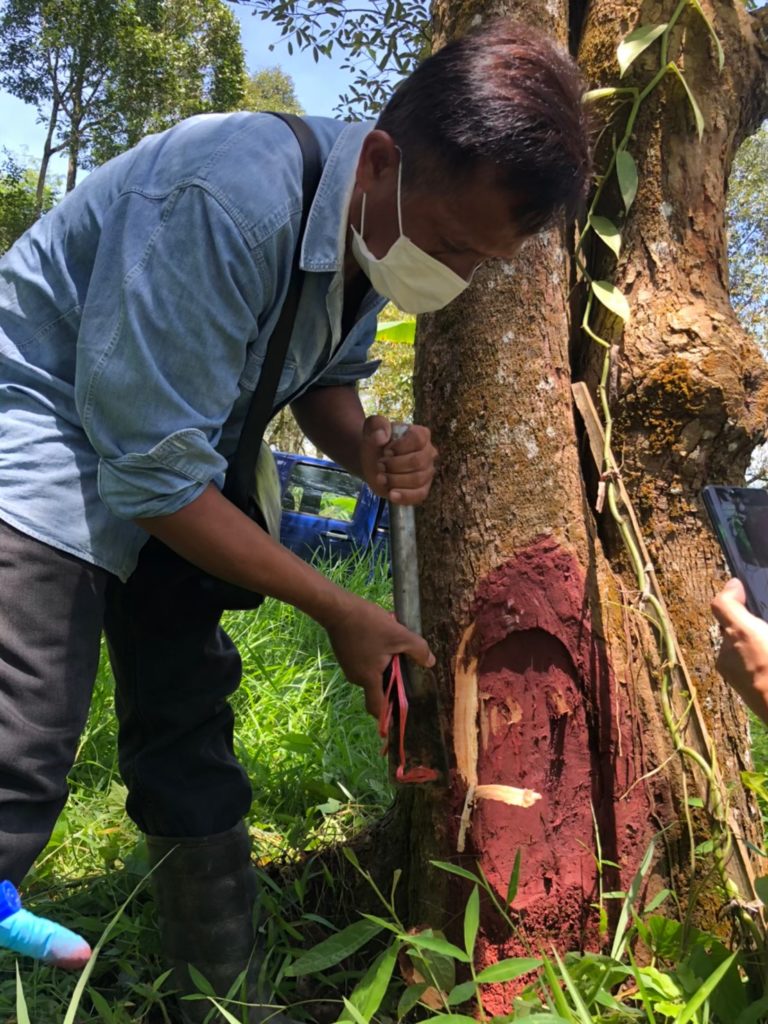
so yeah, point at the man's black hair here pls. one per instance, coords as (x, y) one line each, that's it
(504, 96)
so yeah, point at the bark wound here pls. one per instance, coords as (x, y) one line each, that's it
(546, 701)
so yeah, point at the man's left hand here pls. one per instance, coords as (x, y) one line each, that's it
(400, 470)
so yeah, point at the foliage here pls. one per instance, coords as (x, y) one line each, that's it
(656, 970)
(314, 758)
(271, 89)
(747, 213)
(104, 72)
(390, 390)
(381, 41)
(18, 207)
(180, 59)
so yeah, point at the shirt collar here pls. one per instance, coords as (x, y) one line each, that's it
(325, 236)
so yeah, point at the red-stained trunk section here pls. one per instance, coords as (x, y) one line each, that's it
(554, 720)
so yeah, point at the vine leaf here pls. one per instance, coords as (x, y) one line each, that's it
(607, 232)
(599, 94)
(715, 37)
(697, 114)
(626, 172)
(633, 45)
(609, 295)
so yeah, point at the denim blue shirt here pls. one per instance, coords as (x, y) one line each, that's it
(134, 319)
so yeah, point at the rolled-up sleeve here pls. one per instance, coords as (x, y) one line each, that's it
(172, 304)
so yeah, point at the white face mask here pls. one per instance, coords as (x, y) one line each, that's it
(410, 277)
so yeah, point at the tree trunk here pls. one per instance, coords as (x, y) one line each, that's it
(547, 668)
(48, 150)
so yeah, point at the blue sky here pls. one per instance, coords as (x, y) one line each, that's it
(318, 86)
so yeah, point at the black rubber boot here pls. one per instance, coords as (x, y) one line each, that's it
(205, 891)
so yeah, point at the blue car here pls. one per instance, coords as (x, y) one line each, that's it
(327, 511)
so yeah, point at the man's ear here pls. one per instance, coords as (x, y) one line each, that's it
(378, 162)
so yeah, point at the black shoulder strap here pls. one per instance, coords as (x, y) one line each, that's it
(239, 479)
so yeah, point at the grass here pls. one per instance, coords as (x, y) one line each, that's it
(313, 757)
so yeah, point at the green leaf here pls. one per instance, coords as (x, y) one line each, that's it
(715, 37)
(471, 921)
(454, 869)
(508, 970)
(620, 936)
(228, 1016)
(636, 42)
(607, 232)
(558, 997)
(573, 990)
(761, 888)
(626, 172)
(705, 991)
(697, 114)
(757, 782)
(438, 946)
(609, 295)
(372, 987)
(437, 968)
(334, 949)
(103, 1008)
(200, 982)
(461, 993)
(401, 331)
(514, 880)
(410, 998)
(21, 1003)
(661, 983)
(451, 1018)
(592, 95)
(354, 1013)
(381, 922)
(756, 1013)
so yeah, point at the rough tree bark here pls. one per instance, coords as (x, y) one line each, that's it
(544, 662)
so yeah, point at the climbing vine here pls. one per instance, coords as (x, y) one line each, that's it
(622, 168)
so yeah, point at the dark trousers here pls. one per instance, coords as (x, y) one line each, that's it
(174, 669)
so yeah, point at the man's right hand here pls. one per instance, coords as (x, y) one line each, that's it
(364, 638)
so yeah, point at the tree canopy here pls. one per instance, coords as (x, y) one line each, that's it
(379, 42)
(103, 73)
(271, 89)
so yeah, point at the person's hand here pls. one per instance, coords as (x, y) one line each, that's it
(364, 639)
(743, 657)
(400, 470)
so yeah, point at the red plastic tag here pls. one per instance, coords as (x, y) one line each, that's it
(395, 689)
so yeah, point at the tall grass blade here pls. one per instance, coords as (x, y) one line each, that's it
(21, 1002)
(702, 994)
(620, 938)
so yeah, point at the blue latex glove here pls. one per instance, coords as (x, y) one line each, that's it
(30, 935)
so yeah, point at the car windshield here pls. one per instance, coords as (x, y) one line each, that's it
(320, 491)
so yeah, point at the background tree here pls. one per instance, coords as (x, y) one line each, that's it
(18, 201)
(378, 42)
(104, 72)
(181, 58)
(748, 234)
(271, 89)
